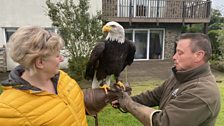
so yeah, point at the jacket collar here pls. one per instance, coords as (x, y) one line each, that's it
(17, 82)
(183, 76)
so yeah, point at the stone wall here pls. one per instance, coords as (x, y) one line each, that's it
(171, 36)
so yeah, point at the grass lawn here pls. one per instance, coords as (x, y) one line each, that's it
(220, 79)
(112, 117)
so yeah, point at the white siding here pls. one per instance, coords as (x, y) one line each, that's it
(95, 5)
(16, 13)
(2, 40)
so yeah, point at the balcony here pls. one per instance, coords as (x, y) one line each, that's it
(157, 11)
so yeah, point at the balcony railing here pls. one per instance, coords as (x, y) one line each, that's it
(189, 11)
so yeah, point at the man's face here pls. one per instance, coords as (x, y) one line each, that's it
(184, 59)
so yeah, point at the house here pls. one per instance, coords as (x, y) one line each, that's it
(17, 13)
(154, 25)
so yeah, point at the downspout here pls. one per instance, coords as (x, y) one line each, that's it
(183, 13)
(157, 13)
(130, 13)
(208, 14)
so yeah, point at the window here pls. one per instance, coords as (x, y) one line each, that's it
(155, 46)
(142, 7)
(51, 30)
(141, 44)
(149, 43)
(125, 8)
(129, 34)
(9, 32)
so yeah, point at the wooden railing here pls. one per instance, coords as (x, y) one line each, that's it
(163, 10)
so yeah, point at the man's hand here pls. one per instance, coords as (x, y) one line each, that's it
(123, 101)
(141, 112)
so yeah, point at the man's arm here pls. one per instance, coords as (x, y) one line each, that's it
(185, 110)
(150, 98)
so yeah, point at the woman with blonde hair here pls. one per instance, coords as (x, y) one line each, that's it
(37, 92)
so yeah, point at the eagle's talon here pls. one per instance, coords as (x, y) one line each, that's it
(119, 83)
(105, 87)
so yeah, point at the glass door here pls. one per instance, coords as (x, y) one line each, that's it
(140, 40)
(156, 44)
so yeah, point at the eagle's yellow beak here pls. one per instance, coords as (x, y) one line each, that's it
(106, 28)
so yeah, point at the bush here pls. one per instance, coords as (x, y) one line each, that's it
(77, 67)
(221, 42)
(213, 35)
(218, 65)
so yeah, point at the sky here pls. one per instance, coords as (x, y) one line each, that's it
(218, 4)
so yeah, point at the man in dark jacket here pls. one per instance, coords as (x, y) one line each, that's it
(190, 97)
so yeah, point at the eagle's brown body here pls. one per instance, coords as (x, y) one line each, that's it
(110, 58)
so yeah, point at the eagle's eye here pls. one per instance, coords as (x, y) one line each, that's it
(113, 26)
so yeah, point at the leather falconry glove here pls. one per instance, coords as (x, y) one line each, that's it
(141, 112)
(96, 99)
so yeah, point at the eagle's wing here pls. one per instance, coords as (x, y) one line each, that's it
(131, 53)
(93, 60)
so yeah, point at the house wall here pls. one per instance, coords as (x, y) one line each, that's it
(172, 32)
(2, 41)
(171, 35)
(17, 13)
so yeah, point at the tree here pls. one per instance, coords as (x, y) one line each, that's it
(79, 30)
(217, 21)
(221, 43)
(194, 28)
(213, 35)
(216, 17)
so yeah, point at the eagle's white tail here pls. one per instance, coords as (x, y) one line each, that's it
(96, 83)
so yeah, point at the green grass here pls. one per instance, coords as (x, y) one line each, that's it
(113, 117)
(220, 119)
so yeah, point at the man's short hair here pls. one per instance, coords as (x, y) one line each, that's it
(199, 41)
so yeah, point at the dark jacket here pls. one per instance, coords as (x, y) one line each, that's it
(188, 98)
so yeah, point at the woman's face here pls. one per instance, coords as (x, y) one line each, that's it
(51, 64)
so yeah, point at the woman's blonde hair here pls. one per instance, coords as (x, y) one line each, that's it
(31, 42)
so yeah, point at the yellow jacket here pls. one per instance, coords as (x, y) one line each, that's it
(25, 105)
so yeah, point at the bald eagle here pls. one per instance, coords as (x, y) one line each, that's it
(110, 57)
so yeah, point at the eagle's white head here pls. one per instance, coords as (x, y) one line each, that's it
(115, 32)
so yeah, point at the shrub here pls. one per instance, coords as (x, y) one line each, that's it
(218, 65)
(221, 43)
(213, 35)
(77, 67)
